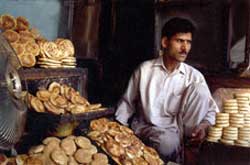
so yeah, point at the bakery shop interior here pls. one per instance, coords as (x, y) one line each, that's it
(115, 82)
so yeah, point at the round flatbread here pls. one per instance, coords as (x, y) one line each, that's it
(43, 95)
(27, 60)
(18, 48)
(83, 156)
(68, 146)
(83, 142)
(32, 48)
(8, 22)
(37, 105)
(22, 23)
(52, 109)
(11, 35)
(227, 142)
(59, 157)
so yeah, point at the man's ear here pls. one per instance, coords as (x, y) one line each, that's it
(164, 42)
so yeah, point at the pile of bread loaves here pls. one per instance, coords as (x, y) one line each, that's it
(32, 48)
(232, 126)
(72, 150)
(121, 143)
(60, 99)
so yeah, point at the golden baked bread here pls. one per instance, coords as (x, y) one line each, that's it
(51, 50)
(114, 148)
(46, 60)
(35, 33)
(66, 47)
(24, 40)
(68, 146)
(18, 48)
(94, 106)
(53, 109)
(126, 130)
(139, 161)
(77, 99)
(100, 125)
(11, 35)
(33, 161)
(92, 149)
(151, 151)
(102, 158)
(32, 48)
(78, 109)
(98, 162)
(83, 156)
(51, 146)
(96, 136)
(123, 139)
(71, 137)
(36, 149)
(27, 60)
(43, 95)
(72, 161)
(114, 132)
(22, 23)
(59, 101)
(26, 33)
(37, 105)
(47, 140)
(59, 157)
(133, 152)
(125, 160)
(54, 88)
(69, 93)
(82, 142)
(8, 22)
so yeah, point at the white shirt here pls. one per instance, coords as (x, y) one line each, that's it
(156, 94)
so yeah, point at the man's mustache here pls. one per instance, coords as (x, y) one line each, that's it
(183, 52)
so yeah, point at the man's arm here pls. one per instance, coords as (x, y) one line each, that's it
(126, 106)
(199, 133)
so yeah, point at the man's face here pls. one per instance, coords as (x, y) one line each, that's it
(178, 46)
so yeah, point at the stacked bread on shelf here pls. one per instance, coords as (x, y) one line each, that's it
(56, 54)
(121, 143)
(233, 124)
(72, 150)
(60, 99)
(32, 48)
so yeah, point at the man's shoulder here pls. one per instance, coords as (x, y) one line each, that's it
(147, 63)
(192, 70)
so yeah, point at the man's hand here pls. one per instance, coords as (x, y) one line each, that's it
(199, 133)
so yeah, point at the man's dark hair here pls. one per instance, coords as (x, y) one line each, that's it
(177, 25)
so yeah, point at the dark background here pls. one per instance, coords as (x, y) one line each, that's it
(126, 33)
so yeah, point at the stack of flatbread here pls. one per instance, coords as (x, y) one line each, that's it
(233, 125)
(72, 150)
(32, 48)
(61, 99)
(56, 54)
(121, 143)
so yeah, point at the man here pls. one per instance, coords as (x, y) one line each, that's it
(167, 98)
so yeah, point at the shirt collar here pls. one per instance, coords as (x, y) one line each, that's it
(159, 62)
